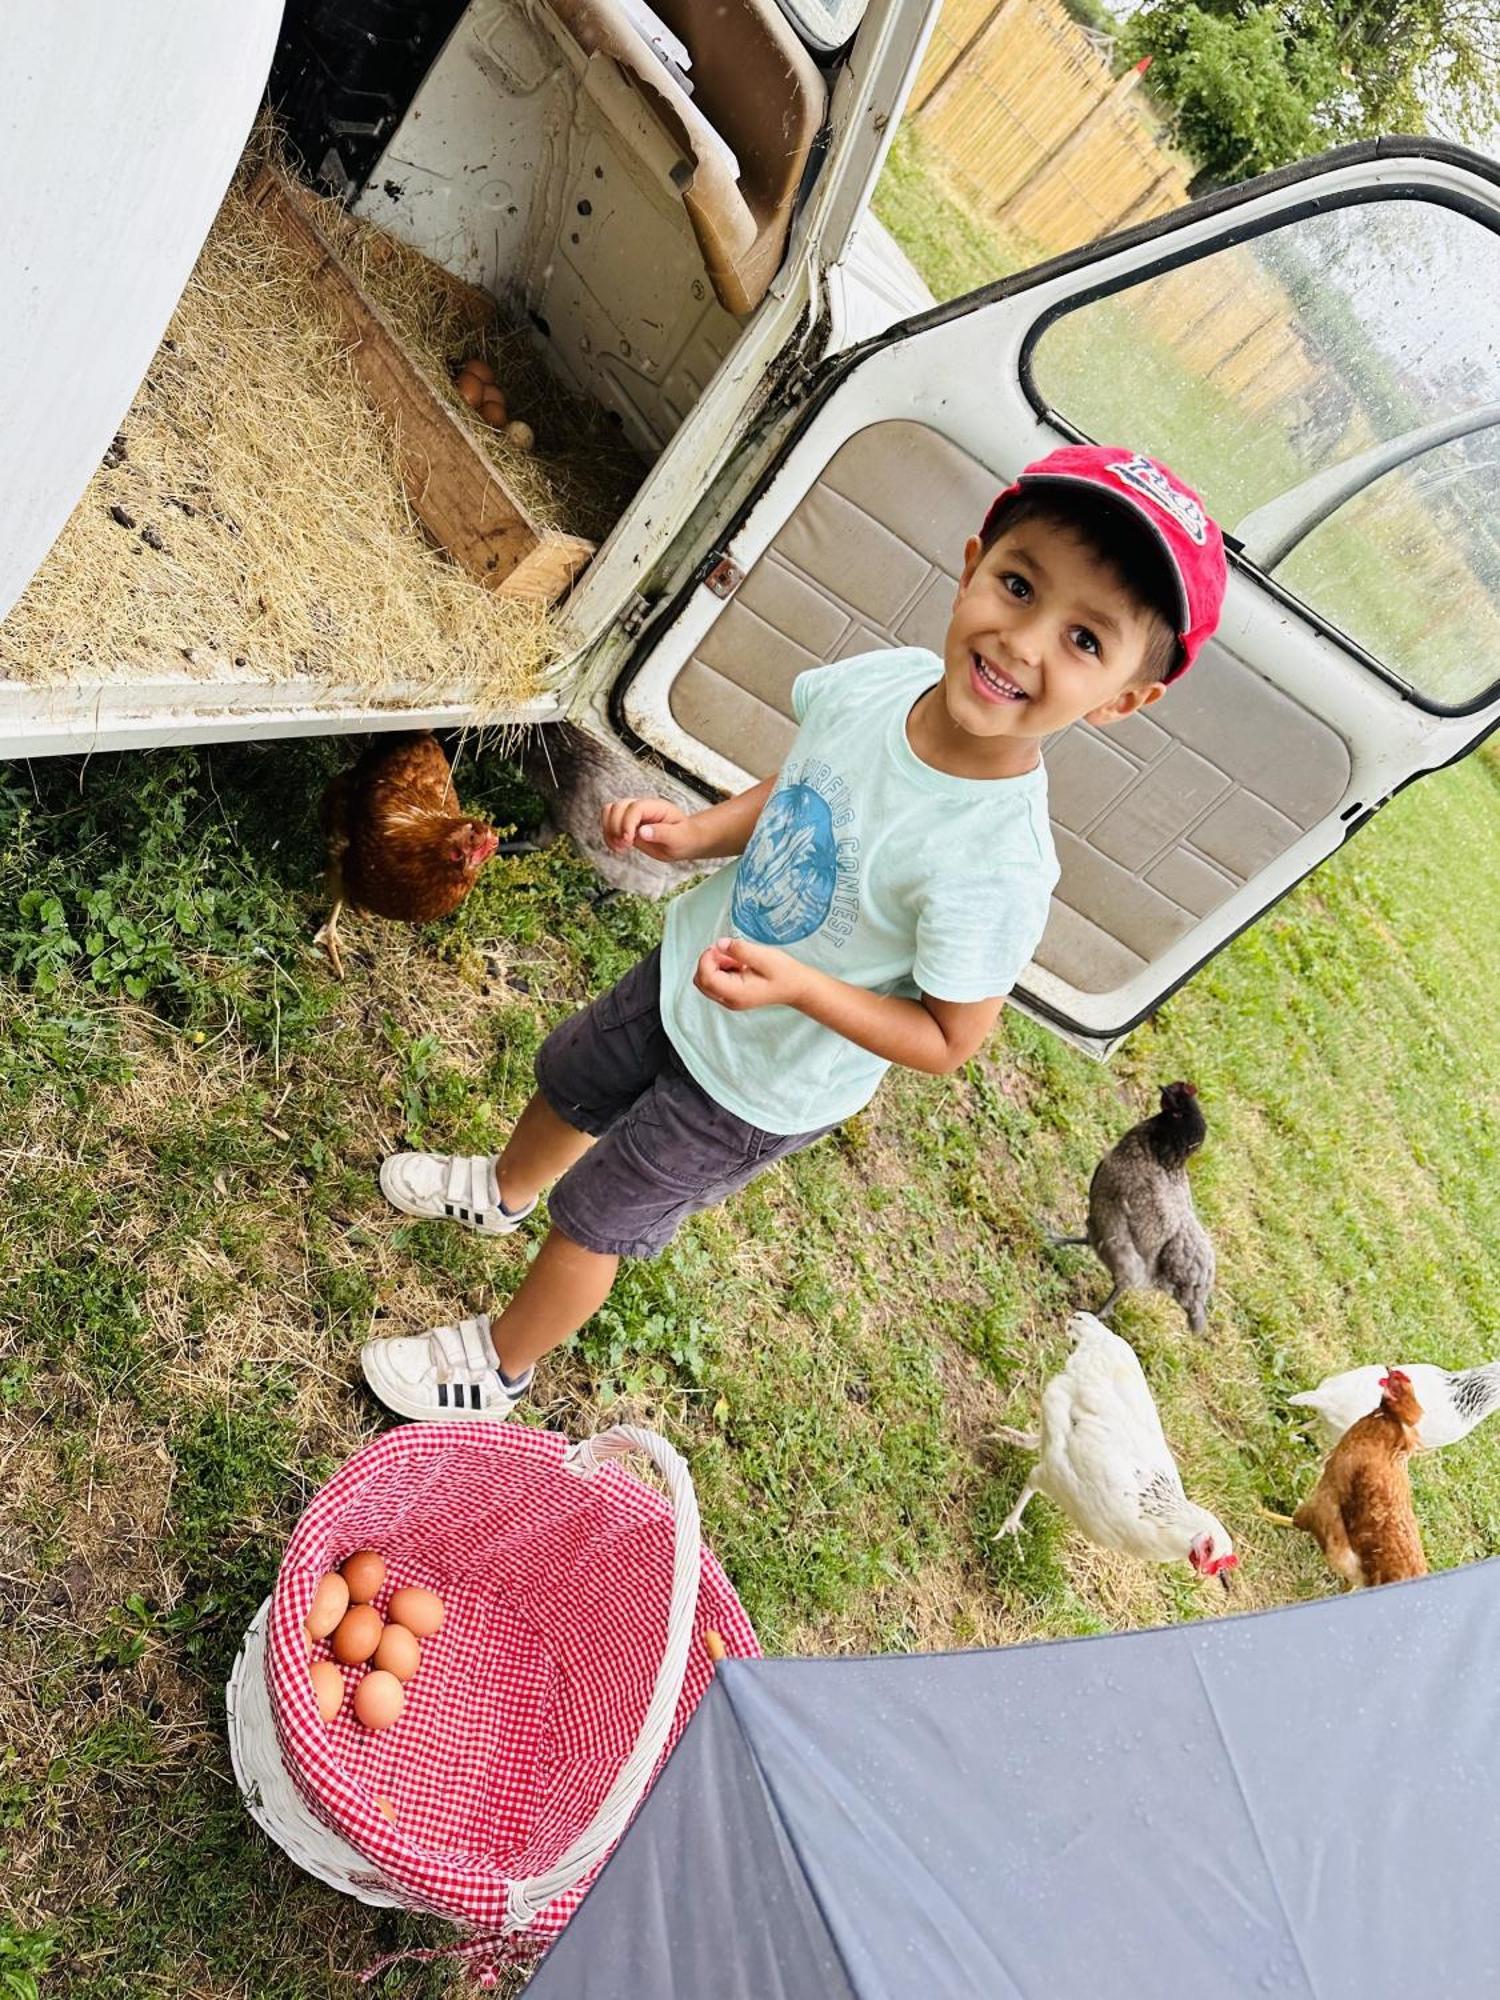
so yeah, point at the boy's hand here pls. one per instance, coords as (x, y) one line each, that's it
(655, 826)
(739, 975)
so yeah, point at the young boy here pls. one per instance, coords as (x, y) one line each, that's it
(894, 880)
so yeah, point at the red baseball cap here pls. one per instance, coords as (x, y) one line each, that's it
(1188, 536)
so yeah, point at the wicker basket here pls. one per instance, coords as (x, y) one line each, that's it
(570, 1660)
(274, 1802)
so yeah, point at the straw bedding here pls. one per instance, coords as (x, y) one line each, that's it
(248, 521)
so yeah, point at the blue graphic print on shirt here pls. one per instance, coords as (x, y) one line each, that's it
(801, 868)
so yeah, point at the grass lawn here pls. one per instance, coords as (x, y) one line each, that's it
(955, 250)
(193, 1247)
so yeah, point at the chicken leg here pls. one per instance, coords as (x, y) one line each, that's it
(328, 938)
(1022, 1440)
(1011, 1525)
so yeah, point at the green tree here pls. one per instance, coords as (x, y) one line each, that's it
(1253, 84)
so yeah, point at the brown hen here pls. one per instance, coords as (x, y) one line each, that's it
(399, 843)
(1360, 1512)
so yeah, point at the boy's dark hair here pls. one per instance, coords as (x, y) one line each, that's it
(1128, 550)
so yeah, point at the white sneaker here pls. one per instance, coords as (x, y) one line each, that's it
(459, 1186)
(453, 1371)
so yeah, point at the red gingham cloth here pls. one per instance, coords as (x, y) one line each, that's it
(555, 1592)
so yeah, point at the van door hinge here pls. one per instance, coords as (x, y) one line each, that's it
(633, 617)
(806, 378)
(725, 576)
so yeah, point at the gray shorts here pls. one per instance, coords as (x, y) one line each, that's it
(665, 1148)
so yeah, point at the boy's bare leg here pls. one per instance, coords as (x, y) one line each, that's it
(538, 1152)
(565, 1286)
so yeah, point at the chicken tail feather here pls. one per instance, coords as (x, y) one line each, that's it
(1059, 1241)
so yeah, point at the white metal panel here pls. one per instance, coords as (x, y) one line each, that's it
(876, 285)
(144, 715)
(119, 129)
(869, 95)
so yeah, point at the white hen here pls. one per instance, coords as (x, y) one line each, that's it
(1453, 1400)
(1102, 1458)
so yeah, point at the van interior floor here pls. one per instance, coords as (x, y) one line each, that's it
(249, 522)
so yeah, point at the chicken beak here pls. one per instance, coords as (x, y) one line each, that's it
(1224, 1579)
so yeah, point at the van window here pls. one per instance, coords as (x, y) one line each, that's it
(1260, 368)
(1410, 569)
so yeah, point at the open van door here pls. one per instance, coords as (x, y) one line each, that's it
(1318, 353)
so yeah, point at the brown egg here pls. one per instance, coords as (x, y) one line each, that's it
(379, 1700)
(493, 409)
(420, 1611)
(398, 1652)
(522, 436)
(328, 1688)
(364, 1573)
(477, 366)
(330, 1602)
(357, 1635)
(471, 389)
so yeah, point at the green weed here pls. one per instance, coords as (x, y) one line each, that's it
(24, 1954)
(652, 1329)
(129, 881)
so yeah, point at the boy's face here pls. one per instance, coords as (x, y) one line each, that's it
(1042, 633)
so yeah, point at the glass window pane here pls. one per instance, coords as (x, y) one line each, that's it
(1256, 367)
(1411, 569)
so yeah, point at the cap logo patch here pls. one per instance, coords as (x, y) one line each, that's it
(1150, 481)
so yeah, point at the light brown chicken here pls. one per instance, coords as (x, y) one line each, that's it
(399, 843)
(1360, 1512)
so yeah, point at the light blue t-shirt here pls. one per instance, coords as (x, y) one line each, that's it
(873, 866)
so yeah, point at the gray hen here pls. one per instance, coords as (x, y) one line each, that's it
(1142, 1225)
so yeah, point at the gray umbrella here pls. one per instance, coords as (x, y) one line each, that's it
(1296, 1802)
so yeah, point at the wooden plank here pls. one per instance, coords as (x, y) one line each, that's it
(455, 491)
(552, 567)
(970, 56)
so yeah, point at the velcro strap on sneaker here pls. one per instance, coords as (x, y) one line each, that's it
(465, 1351)
(470, 1190)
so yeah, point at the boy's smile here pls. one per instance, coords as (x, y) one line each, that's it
(1042, 633)
(993, 683)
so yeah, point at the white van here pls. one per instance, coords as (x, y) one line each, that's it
(676, 192)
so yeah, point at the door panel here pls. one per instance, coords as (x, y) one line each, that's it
(1175, 830)
(867, 560)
